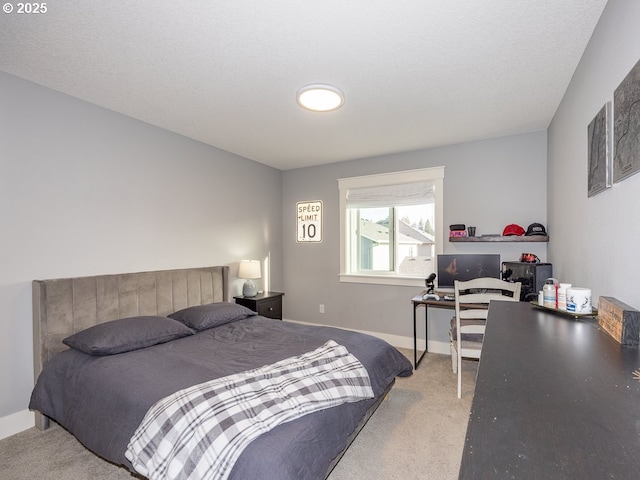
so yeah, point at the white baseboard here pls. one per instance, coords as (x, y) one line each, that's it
(16, 423)
(397, 341)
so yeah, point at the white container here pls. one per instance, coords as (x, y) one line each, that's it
(549, 295)
(579, 300)
(562, 295)
(540, 298)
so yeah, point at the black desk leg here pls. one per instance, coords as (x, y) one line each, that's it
(416, 360)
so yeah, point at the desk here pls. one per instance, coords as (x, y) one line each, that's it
(555, 398)
(417, 301)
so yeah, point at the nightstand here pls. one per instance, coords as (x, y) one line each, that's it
(267, 304)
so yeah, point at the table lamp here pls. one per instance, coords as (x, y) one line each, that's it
(249, 269)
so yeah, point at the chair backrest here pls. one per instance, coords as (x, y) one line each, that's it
(480, 291)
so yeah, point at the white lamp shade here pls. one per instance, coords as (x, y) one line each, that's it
(249, 269)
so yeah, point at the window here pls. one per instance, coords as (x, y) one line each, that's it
(391, 226)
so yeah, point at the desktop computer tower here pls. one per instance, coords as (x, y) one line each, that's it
(531, 275)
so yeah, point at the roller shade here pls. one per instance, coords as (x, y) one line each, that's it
(416, 193)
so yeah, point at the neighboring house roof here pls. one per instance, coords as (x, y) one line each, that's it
(379, 233)
(374, 231)
(416, 233)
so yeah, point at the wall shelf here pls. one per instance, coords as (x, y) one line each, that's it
(500, 238)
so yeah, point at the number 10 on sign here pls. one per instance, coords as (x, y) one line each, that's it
(309, 221)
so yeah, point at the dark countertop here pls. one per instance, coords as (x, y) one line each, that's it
(555, 398)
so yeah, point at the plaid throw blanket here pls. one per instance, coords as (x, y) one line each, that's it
(199, 432)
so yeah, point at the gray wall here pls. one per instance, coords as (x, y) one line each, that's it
(488, 184)
(595, 240)
(86, 191)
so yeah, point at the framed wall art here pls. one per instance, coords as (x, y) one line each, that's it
(626, 114)
(599, 147)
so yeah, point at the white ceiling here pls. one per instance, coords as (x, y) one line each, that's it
(416, 74)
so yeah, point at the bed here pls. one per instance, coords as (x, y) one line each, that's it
(102, 396)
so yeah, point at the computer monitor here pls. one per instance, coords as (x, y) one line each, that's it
(466, 267)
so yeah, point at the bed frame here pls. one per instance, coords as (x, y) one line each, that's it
(64, 306)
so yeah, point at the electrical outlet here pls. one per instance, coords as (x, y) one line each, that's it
(321, 308)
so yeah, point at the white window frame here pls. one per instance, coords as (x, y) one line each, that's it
(433, 174)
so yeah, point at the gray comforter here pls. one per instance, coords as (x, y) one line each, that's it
(101, 400)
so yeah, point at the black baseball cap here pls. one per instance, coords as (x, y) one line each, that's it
(536, 229)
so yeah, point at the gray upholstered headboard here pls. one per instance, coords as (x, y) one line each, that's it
(64, 306)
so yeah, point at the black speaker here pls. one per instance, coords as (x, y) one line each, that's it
(531, 275)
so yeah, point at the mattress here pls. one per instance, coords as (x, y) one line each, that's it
(102, 399)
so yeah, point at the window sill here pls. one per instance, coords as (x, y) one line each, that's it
(382, 280)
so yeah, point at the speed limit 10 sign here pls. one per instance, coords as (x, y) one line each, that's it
(309, 221)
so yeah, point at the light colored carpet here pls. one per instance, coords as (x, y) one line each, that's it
(417, 433)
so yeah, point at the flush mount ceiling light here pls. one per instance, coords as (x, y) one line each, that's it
(320, 97)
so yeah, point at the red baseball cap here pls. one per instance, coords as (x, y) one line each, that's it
(513, 229)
